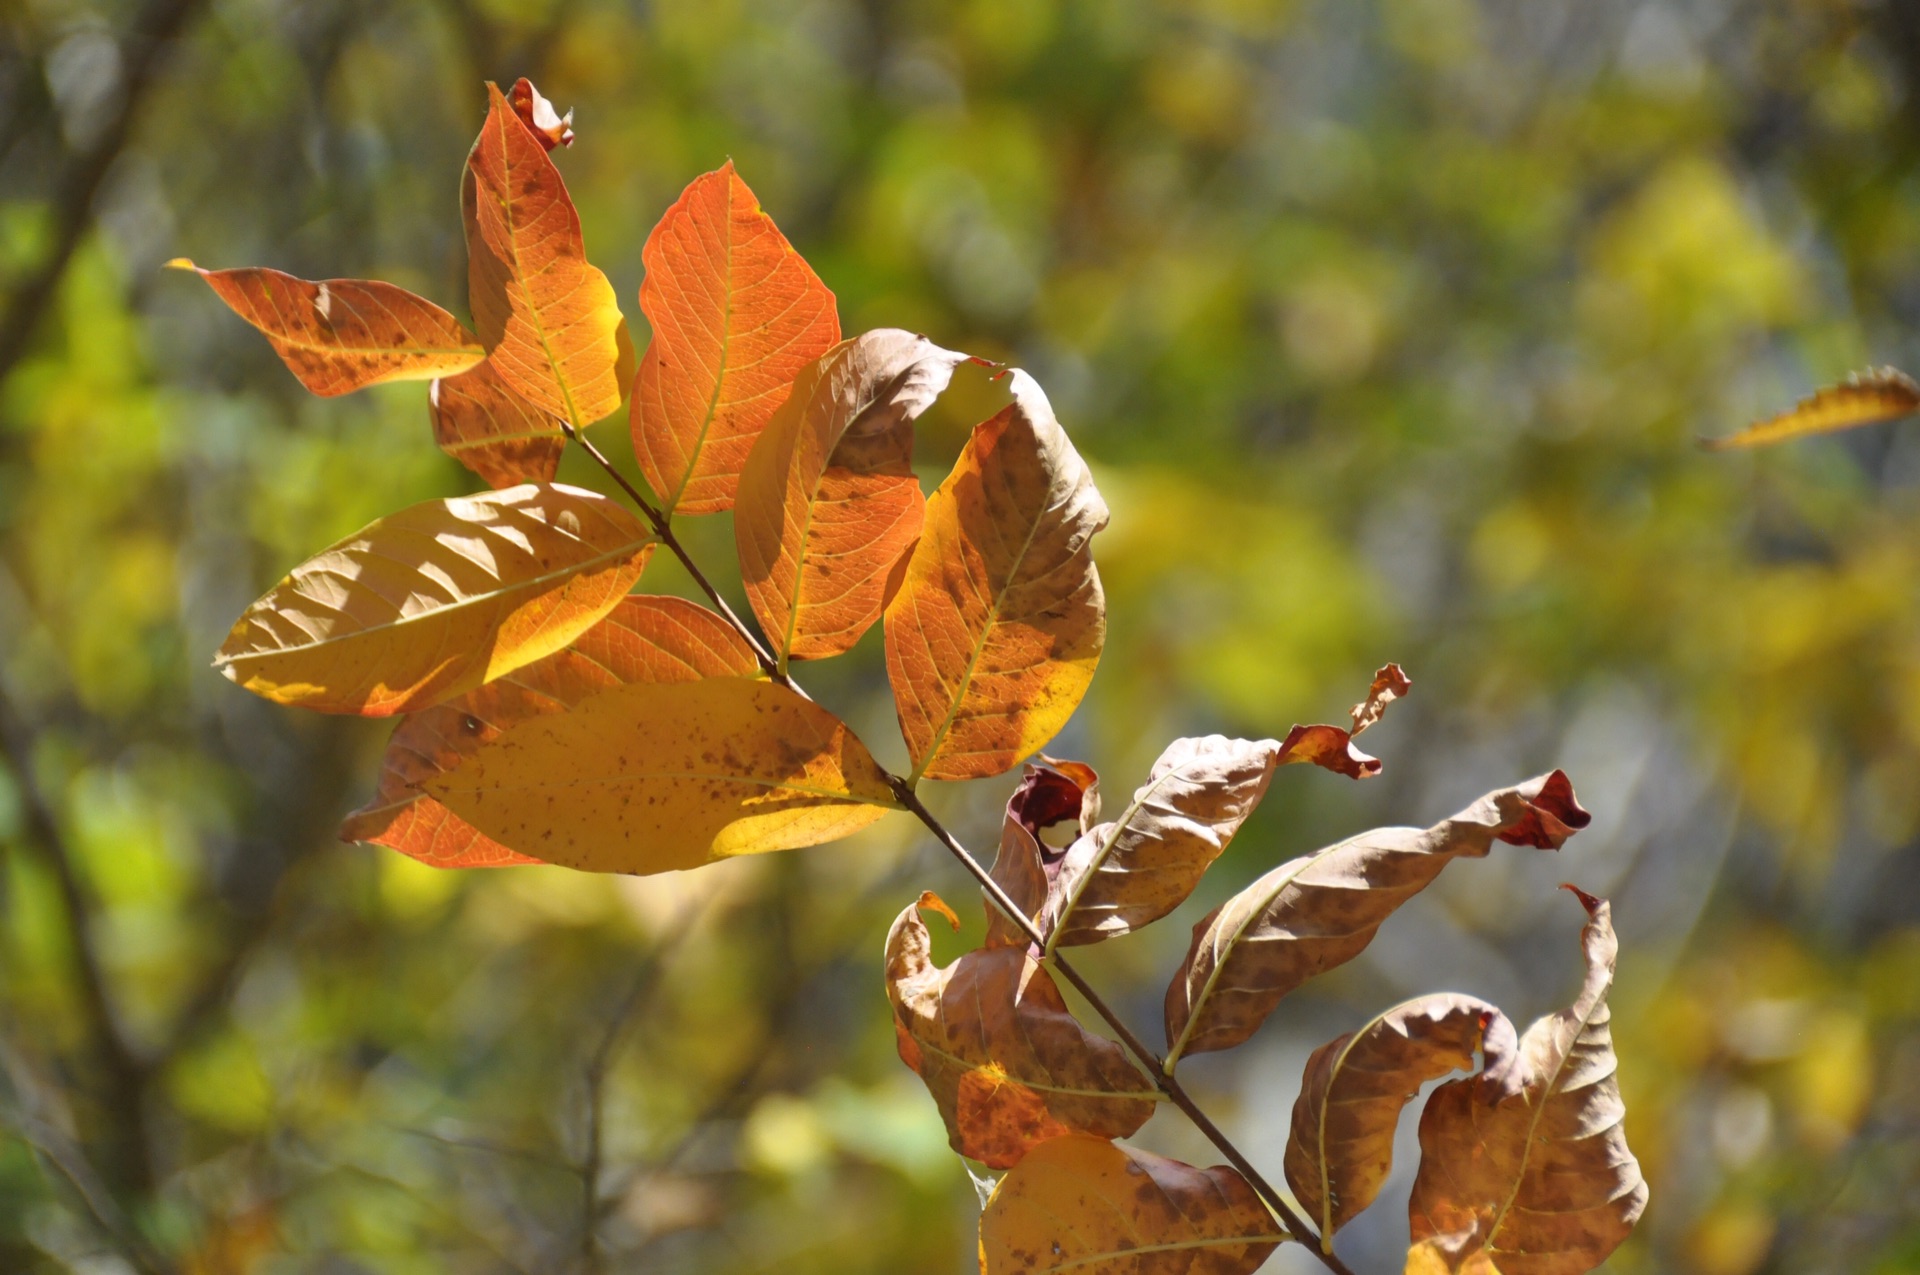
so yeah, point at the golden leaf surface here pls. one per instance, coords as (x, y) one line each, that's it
(828, 503)
(1096, 1208)
(1865, 398)
(1003, 1057)
(1321, 910)
(1340, 1148)
(480, 422)
(1529, 1163)
(998, 623)
(659, 776)
(437, 599)
(736, 314)
(340, 335)
(643, 639)
(549, 320)
(1122, 875)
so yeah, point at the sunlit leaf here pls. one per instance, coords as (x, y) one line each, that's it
(548, 319)
(1331, 747)
(1087, 1205)
(537, 113)
(1340, 1148)
(1124, 874)
(828, 503)
(736, 314)
(653, 777)
(1319, 911)
(339, 335)
(643, 639)
(996, 628)
(480, 422)
(1865, 398)
(1003, 1058)
(1530, 1161)
(437, 599)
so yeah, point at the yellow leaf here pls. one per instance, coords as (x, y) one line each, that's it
(997, 626)
(1865, 398)
(437, 599)
(654, 777)
(1087, 1205)
(547, 318)
(339, 335)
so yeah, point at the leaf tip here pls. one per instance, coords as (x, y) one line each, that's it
(931, 902)
(180, 263)
(1587, 901)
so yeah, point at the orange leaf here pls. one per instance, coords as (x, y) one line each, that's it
(537, 113)
(340, 335)
(480, 422)
(998, 623)
(1086, 1205)
(437, 599)
(1865, 398)
(1528, 1164)
(1331, 747)
(736, 314)
(1003, 1057)
(643, 639)
(828, 502)
(548, 319)
(659, 776)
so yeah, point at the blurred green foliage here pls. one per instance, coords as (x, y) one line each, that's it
(1387, 326)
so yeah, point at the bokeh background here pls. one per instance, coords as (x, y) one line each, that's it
(1388, 327)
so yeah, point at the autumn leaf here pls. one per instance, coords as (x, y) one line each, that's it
(1132, 871)
(828, 502)
(736, 314)
(437, 599)
(1331, 747)
(1051, 795)
(1319, 911)
(340, 335)
(655, 777)
(480, 422)
(537, 113)
(643, 639)
(996, 628)
(1531, 1160)
(548, 319)
(1865, 398)
(1001, 1054)
(1445, 1256)
(1340, 1149)
(1090, 1206)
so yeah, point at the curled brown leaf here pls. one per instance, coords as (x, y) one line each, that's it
(1332, 747)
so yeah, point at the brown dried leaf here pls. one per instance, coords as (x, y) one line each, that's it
(1389, 684)
(1051, 794)
(480, 422)
(1132, 871)
(1331, 747)
(1095, 1208)
(1865, 398)
(1531, 1160)
(828, 502)
(643, 639)
(1003, 1057)
(1309, 915)
(1340, 1149)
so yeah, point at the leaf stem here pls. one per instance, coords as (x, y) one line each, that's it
(909, 799)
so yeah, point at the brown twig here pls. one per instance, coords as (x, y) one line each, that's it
(909, 800)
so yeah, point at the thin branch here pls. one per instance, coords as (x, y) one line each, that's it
(909, 800)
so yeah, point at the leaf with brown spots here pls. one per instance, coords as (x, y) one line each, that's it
(480, 422)
(1003, 1057)
(437, 599)
(999, 621)
(828, 502)
(549, 320)
(1865, 398)
(659, 776)
(340, 335)
(643, 639)
(1340, 1149)
(1530, 1162)
(1095, 1208)
(736, 314)
(1319, 911)
(1331, 747)
(1125, 874)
